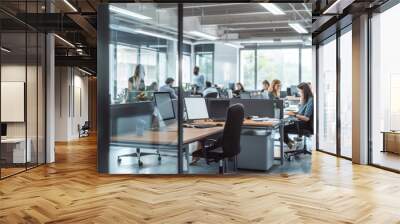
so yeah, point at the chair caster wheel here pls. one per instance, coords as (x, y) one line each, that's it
(140, 163)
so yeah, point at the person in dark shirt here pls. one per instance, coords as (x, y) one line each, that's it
(304, 117)
(239, 89)
(266, 85)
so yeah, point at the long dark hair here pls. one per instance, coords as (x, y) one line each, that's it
(307, 93)
(241, 86)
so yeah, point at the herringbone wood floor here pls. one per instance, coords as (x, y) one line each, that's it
(71, 191)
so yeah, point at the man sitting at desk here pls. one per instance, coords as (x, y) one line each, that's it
(169, 82)
(209, 89)
(304, 116)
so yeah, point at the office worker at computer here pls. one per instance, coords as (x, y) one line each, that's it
(238, 89)
(153, 86)
(198, 79)
(274, 90)
(304, 116)
(136, 82)
(209, 89)
(265, 85)
(169, 82)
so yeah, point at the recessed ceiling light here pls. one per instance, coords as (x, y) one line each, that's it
(271, 7)
(70, 6)
(203, 35)
(234, 45)
(128, 13)
(5, 50)
(298, 27)
(84, 71)
(332, 8)
(292, 41)
(65, 41)
(257, 41)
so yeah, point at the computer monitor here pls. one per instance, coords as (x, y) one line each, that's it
(245, 95)
(196, 108)
(163, 102)
(292, 91)
(260, 107)
(217, 108)
(3, 130)
(231, 86)
(283, 94)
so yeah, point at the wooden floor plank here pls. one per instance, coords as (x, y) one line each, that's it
(71, 191)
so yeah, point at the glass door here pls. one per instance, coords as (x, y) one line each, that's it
(327, 94)
(143, 127)
(346, 93)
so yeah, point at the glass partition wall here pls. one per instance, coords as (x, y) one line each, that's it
(334, 91)
(22, 94)
(385, 89)
(146, 55)
(289, 64)
(142, 51)
(327, 78)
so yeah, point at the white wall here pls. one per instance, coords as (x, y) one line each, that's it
(226, 64)
(71, 102)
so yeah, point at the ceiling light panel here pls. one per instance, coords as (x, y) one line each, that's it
(298, 27)
(272, 8)
(128, 13)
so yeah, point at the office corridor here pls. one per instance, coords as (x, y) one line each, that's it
(71, 191)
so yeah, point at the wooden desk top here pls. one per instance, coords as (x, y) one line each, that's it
(168, 136)
(249, 122)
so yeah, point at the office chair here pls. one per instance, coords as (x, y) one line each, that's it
(211, 95)
(303, 136)
(84, 129)
(228, 146)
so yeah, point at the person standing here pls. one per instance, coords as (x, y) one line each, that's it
(198, 79)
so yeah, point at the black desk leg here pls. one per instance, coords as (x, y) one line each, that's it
(281, 128)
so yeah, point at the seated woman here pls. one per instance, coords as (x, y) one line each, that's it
(238, 90)
(304, 116)
(274, 90)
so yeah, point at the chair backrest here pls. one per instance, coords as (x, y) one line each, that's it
(211, 95)
(232, 130)
(309, 130)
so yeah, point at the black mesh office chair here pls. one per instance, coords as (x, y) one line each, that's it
(83, 130)
(211, 95)
(303, 135)
(228, 146)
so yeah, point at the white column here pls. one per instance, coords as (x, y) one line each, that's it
(50, 94)
(360, 90)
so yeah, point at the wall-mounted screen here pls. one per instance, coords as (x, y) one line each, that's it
(12, 101)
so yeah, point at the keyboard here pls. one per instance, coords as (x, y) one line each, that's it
(204, 125)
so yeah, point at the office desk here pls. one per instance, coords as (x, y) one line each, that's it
(166, 139)
(264, 125)
(16, 153)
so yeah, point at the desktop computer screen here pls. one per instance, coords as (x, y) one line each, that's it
(196, 108)
(3, 130)
(245, 95)
(163, 102)
(217, 108)
(292, 91)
